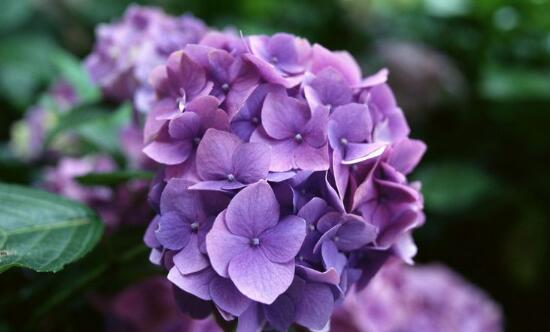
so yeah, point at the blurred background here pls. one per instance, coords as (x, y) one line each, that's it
(473, 77)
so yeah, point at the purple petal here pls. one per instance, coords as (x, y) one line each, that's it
(315, 307)
(310, 158)
(355, 233)
(227, 296)
(184, 127)
(280, 176)
(281, 243)
(195, 283)
(215, 154)
(342, 62)
(190, 259)
(177, 198)
(281, 314)
(251, 320)
(282, 152)
(332, 258)
(330, 276)
(315, 131)
(251, 162)
(358, 152)
(406, 154)
(167, 151)
(173, 232)
(253, 210)
(150, 238)
(313, 210)
(283, 117)
(351, 122)
(222, 246)
(258, 278)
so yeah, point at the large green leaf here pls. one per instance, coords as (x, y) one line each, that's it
(42, 231)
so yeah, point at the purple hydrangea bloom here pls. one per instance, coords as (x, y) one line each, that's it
(308, 162)
(422, 298)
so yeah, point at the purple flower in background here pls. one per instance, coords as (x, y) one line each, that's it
(250, 245)
(296, 134)
(126, 51)
(421, 298)
(148, 306)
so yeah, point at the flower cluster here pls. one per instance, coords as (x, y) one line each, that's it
(422, 298)
(127, 50)
(284, 180)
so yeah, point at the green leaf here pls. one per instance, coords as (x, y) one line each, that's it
(103, 132)
(503, 83)
(14, 13)
(113, 178)
(452, 186)
(42, 231)
(73, 72)
(25, 64)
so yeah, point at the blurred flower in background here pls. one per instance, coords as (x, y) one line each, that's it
(428, 298)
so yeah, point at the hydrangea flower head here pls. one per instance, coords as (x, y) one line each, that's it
(285, 178)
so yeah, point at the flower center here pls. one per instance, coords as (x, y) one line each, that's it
(336, 238)
(344, 141)
(255, 242)
(311, 227)
(225, 87)
(255, 120)
(230, 177)
(195, 226)
(274, 59)
(298, 137)
(196, 140)
(181, 104)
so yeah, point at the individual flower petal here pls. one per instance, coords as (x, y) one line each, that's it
(222, 245)
(281, 313)
(258, 278)
(284, 117)
(227, 297)
(251, 162)
(215, 154)
(190, 259)
(173, 232)
(195, 283)
(253, 210)
(281, 243)
(315, 307)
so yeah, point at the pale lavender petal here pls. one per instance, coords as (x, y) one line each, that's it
(284, 117)
(406, 154)
(222, 246)
(215, 154)
(173, 232)
(282, 152)
(251, 320)
(359, 152)
(227, 296)
(190, 259)
(253, 210)
(310, 158)
(258, 278)
(281, 243)
(184, 127)
(251, 162)
(332, 258)
(195, 283)
(315, 307)
(281, 314)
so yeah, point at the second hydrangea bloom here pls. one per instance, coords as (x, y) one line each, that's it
(284, 178)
